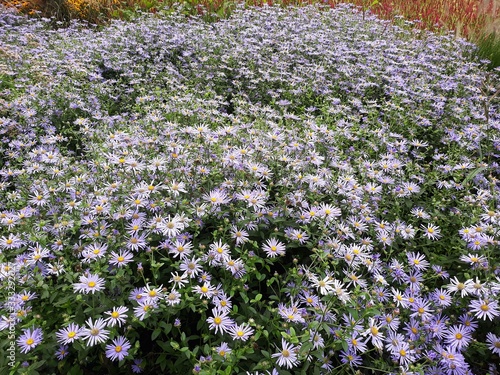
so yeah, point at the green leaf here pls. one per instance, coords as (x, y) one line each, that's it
(473, 174)
(305, 347)
(155, 333)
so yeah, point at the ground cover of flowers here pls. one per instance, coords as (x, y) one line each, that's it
(286, 191)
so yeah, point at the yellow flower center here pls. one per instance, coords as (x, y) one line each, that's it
(91, 284)
(118, 348)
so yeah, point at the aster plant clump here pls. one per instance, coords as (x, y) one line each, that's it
(286, 191)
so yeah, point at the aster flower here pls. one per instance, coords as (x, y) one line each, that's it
(120, 259)
(290, 313)
(239, 235)
(136, 242)
(458, 337)
(325, 285)
(421, 308)
(191, 267)
(11, 242)
(287, 356)
(493, 342)
(298, 235)
(220, 320)
(95, 333)
(29, 339)
(145, 307)
(117, 316)
(273, 248)
(216, 197)
(118, 350)
(94, 251)
(374, 334)
(206, 290)
(441, 297)
(236, 267)
(223, 349)
(173, 298)
(179, 280)
(222, 301)
(350, 358)
(484, 308)
(152, 294)
(467, 320)
(137, 295)
(241, 331)
(356, 343)
(404, 354)
(181, 249)
(136, 367)
(62, 352)
(89, 284)
(69, 334)
(417, 261)
(220, 251)
(465, 288)
(431, 231)
(171, 227)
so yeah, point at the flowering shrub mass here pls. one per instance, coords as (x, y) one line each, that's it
(286, 191)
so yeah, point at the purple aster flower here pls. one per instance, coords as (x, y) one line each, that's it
(493, 342)
(89, 284)
(29, 339)
(223, 349)
(287, 356)
(69, 334)
(241, 331)
(117, 316)
(220, 320)
(95, 333)
(351, 358)
(458, 337)
(119, 349)
(136, 367)
(273, 247)
(62, 352)
(484, 308)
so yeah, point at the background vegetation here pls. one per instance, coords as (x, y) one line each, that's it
(477, 20)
